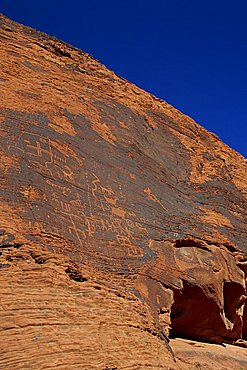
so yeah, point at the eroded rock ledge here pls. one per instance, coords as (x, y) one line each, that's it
(122, 221)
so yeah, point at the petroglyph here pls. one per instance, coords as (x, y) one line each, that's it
(47, 155)
(79, 205)
(65, 190)
(30, 193)
(85, 221)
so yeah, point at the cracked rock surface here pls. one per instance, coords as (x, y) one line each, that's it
(122, 221)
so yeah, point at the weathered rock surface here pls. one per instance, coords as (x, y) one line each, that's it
(122, 221)
(196, 355)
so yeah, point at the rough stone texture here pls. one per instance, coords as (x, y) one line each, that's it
(195, 355)
(122, 221)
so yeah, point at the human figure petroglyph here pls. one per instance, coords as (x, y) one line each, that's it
(38, 146)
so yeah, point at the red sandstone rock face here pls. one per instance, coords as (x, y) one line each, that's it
(123, 222)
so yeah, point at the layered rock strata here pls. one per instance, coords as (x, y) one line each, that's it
(122, 221)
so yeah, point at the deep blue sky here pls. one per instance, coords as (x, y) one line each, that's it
(191, 53)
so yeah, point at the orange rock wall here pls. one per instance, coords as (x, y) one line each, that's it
(122, 221)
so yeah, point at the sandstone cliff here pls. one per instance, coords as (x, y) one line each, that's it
(122, 221)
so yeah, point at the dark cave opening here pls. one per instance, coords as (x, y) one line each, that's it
(190, 313)
(196, 316)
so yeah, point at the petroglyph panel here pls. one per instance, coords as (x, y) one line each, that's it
(80, 197)
(71, 201)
